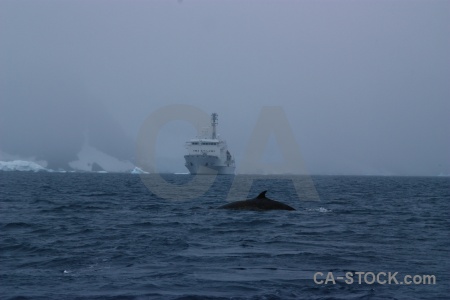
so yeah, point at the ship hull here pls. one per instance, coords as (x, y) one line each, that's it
(207, 165)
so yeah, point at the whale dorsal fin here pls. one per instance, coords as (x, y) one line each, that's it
(262, 195)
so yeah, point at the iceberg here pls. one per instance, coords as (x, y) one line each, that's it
(92, 160)
(137, 170)
(21, 165)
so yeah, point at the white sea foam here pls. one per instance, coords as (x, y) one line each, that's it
(320, 209)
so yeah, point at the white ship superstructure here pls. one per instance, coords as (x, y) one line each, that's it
(208, 154)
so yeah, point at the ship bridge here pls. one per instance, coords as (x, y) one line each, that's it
(205, 146)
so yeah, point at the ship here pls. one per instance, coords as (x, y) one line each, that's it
(208, 154)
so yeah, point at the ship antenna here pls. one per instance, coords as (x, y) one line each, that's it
(214, 124)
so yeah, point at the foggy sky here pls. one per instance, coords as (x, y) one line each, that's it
(365, 84)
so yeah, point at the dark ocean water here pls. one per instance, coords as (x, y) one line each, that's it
(106, 236)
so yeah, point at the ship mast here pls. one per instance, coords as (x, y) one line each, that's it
(214, 124)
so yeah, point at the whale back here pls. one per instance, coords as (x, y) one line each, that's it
(261, 202)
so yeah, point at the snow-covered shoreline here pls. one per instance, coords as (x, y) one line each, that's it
(22, 165)
(31, 166)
